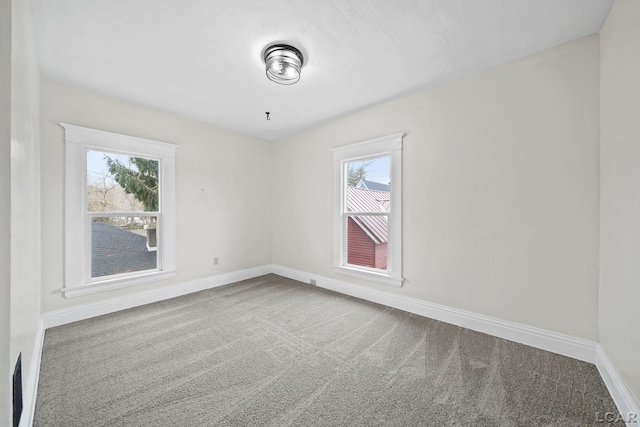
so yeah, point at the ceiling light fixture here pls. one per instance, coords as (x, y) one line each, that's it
(283, 64)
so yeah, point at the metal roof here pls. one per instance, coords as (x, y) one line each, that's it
(373, 185)
(364, 200)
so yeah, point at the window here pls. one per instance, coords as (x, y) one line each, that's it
(368, 210)
(120, 210)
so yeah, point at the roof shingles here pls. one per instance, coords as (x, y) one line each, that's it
(115, 251)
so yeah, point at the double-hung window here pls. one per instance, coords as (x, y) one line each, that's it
(368, 210)
(119, 210)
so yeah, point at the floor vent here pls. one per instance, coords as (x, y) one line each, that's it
(17, 392)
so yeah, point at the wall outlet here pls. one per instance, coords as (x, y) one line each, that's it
(313, 282)
(216, 260)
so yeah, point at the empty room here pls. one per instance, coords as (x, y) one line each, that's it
(320, 213)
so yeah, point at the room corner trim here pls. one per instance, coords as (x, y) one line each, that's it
(619, 392)
(554, 342)
(86, 311)
(31, 382)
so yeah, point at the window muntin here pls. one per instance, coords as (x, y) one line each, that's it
(368, 210)
(120, 210)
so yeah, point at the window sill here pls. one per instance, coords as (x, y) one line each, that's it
(383, 278)
(120, 282)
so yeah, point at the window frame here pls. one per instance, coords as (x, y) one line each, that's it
(391, 146)
(78, 141)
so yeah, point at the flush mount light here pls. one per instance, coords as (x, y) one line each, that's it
(283, 64)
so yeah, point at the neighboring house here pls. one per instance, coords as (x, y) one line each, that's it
(367, 235)
(372, 185)
(115, 251)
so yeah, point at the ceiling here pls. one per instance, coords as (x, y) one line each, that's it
(202, 58)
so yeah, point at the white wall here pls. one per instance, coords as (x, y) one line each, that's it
(25, 192)
(500, 193)
(620, 191)
(5, 212)
(223, 196)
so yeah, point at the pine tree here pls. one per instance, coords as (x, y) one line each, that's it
(357, 172)
(141, 181)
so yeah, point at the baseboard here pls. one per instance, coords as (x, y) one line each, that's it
(86, 311)
(628, 407)
(31, 381)
(565, 345)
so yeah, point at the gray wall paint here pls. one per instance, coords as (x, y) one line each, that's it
(5, 212)
(620, 195)
(20, 197)
(223, 191)
(25, 188)
(500, 195)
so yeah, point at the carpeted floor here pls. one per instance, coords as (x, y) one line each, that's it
(275, 352)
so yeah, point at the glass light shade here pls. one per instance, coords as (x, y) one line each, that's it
(283, 63)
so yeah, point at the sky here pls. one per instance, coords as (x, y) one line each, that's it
(97, 165)
(378, 169)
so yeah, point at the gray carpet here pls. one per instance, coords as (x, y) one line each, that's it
(275, 352)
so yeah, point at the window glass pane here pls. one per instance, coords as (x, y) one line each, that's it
(123, 244)
(119, 183)
(367, 238)
(368, 185)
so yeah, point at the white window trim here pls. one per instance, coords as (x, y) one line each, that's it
(391, 146)
(78, 140)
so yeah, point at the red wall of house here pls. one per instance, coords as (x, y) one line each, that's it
(381, 255)
(361, 250)
(360, 247)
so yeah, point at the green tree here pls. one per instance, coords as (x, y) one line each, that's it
(140, 180)
(357, 172)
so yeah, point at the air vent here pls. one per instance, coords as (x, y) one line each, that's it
(17, 392)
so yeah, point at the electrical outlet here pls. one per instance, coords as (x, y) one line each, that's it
(313, 282)
(216, 260)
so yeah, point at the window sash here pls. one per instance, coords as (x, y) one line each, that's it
(124, 213)
(89, 215)
(79, 140)
(365, 213)
(388, 146)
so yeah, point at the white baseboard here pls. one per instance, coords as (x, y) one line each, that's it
(565, 345)
(621, 395)
(30, 390)
(86, 311)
